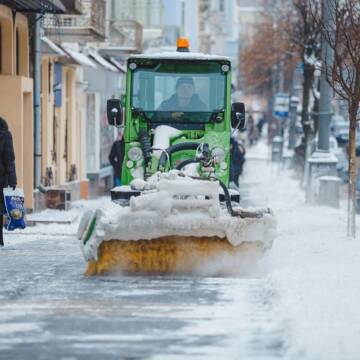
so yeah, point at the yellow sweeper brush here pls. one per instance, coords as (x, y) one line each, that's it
(176, 227)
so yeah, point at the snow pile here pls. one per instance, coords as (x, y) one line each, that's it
(314, 269)
(162, 136)
(178, 206)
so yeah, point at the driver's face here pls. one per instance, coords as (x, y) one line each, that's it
(185, 90)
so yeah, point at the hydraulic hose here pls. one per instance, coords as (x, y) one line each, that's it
(175, 148)
(240, 213)
(145, 145)
(187, 162)
(227, 199)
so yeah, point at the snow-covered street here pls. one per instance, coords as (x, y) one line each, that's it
(312, 269)
(49, 310)
(300, 303)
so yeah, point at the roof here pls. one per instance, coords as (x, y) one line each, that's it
(99, 59)
(118, 64)
(36, 6)
(79, 58)
(48, 47)
(181, 56)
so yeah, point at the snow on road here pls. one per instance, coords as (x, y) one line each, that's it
(304, 304)
(314, 267)
(49, 310)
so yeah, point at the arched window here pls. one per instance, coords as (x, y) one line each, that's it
(17, 50)
(21, 41)
(1, 50)
(6, 41)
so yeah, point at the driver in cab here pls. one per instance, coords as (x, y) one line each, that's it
(184, 99)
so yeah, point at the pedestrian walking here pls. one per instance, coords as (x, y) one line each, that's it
(260, 124)
(237, 155)
(116, 158)
(7, 168)
(252, 130)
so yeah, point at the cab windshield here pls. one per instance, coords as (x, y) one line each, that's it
(179, 92)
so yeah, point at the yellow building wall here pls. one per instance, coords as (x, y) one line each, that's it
(7, 40)
(47, 114)
(16, 95)
(63, 127)
(16, 107)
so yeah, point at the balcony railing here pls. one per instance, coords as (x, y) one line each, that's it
(130, 30)
(90, 26)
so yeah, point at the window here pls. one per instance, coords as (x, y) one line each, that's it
(187, 88)
(1, 49)
(17, 52)
(221, 5)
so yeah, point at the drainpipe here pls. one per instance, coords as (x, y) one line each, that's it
(37, 108)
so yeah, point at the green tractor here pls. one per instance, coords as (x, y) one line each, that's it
(178, 124)
(178, 115)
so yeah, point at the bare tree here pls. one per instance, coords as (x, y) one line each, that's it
(342, 34)
(305, 35)
(287, 35)
(263, 53)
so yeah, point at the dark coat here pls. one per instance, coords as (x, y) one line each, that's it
(7, 161)
(237, 157)
(116, 156)
(172, 104)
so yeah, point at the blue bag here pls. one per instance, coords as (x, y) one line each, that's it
(15, 210)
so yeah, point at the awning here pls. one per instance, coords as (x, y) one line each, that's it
(36, 6)
(50, 48)
(120, 66)
(99, 59)
(79, 58)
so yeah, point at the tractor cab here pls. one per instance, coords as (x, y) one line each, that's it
(178, 114)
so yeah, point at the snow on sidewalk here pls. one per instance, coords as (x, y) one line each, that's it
(314, 268)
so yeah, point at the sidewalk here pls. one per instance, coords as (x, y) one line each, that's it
(53, 223)
(313, 267)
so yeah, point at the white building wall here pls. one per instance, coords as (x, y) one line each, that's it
(181, 18)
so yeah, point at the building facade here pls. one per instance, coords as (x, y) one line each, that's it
(181, 19)
(84, 77)
(148, 13)
(16, 94)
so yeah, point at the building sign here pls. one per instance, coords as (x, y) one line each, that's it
(281, 105)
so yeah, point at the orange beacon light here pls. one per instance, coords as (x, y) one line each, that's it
(183, 45)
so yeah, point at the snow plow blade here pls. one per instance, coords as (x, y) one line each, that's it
(168, 255)
(179, 227)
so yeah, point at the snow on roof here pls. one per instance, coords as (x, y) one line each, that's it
(80, 58)
(51, 47)
(119, 65)
(106, 64)
(181, 56)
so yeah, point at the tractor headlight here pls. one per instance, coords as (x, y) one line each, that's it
(218, 154)
(129, 164)
(135, 154)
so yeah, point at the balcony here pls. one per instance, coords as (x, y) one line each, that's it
(88, 27)
(73, 6)
(126, 36)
